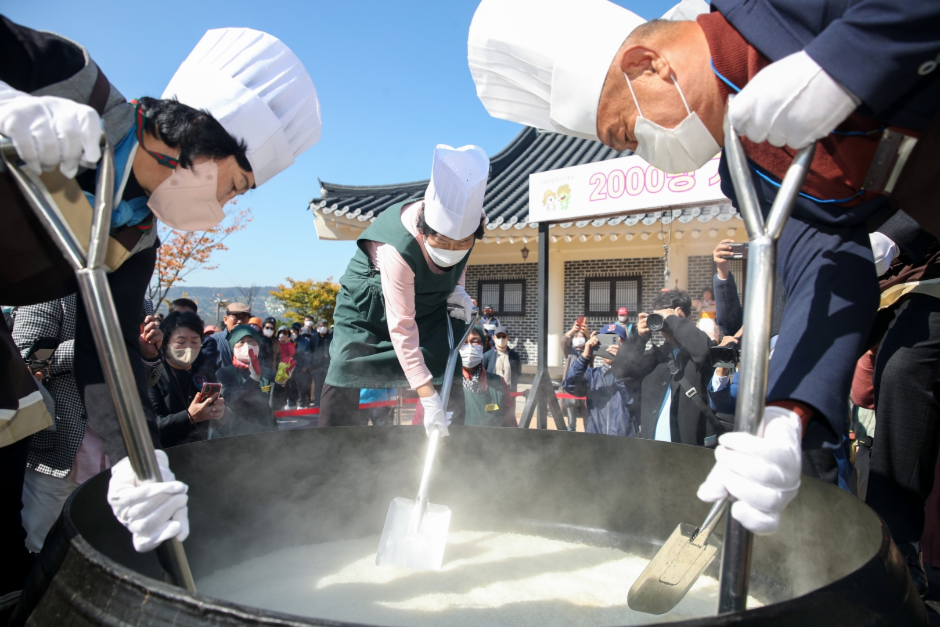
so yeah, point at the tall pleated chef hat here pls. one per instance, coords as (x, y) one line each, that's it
(453, 203)
(257, 89)
(543, 62)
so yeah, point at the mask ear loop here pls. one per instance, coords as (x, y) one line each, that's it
(681, 95)
(635, 101)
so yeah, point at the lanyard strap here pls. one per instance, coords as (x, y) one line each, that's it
(162, 159)
(766, 178)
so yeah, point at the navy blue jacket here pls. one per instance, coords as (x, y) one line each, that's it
(215, 353)
(729, 315)
(515, 365)
(608, 401)
(881, 50)
(724, 400)
(320, 350)
(304, 351)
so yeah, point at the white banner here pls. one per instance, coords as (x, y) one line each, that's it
(618, 186)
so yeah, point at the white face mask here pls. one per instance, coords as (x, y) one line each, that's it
(622, 318)
(243, 353)
(308, 324)
(293, 336)
(321, 330)
(685, 148)
(502, 342)
(578, 342)
(445, 258)
(268, 332)
(187, 200)
(471, 354)
(182, 356)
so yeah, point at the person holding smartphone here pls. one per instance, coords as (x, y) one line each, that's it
(609, 402)
(184, 412)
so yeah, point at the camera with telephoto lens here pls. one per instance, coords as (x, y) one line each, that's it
(725, 356)
(655, 322)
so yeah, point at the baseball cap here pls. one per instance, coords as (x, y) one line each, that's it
(613, 327)
(238, 308)
(501, 329)
(622, 311)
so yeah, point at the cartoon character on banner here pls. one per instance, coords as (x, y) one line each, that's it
(564, 194)
(549, 200)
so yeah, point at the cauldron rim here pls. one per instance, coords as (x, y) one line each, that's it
(879, 588)
(203, 604)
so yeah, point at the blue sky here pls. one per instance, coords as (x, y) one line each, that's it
(392, 79)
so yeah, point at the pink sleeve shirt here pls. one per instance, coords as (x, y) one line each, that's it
(398, 285)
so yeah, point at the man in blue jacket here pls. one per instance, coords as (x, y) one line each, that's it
(608, 400)
(216, 353)
(837, 72)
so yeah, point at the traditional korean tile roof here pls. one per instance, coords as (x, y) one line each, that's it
(507, 192)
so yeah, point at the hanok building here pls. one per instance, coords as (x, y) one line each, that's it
(596, 266)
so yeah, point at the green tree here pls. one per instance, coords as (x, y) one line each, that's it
(307, 298)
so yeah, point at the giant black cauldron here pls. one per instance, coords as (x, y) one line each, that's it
(831, 563)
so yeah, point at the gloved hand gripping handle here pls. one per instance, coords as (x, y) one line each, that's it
(421, 501)
(752, 389)
(93, 285)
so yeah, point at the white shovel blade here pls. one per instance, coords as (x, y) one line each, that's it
(423, 550)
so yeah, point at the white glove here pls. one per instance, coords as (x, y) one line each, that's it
(48, 131)
(434, 416)
(763, 473)
(884, 249)
(792, 102)
(153, 512)
(459, 298)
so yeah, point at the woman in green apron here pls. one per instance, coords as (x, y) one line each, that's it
(390, 317)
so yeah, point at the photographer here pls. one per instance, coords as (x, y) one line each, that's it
(723, 388)
(674, 376)
(608, 400)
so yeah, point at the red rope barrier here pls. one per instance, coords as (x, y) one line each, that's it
(313, 411)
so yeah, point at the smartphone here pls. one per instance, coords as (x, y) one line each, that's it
(580, 320)
(606, 340)
(40, 353)
(208, 389)
(738, 250)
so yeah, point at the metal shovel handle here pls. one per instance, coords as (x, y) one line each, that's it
(421, 502)
(99, 305)
(752, 386)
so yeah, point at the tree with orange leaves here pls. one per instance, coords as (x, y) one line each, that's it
(307, 298)
(182, 253)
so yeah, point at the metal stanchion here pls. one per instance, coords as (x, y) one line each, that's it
(758, 304)
(398, 407)
(96, 295)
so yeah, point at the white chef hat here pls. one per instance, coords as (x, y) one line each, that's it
(257, 89)
(686, 10)
(453, 203)
(543, 62)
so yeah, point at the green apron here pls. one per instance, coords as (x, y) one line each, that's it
(361, 354)
(485, 409)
